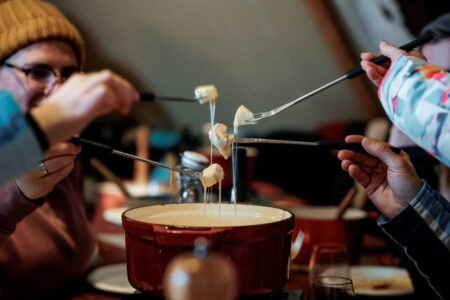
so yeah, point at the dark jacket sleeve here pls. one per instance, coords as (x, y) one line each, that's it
(422, 230)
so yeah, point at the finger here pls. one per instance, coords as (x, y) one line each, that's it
(345, 164)
(359, 175)
(64, 148)
(416, 53)
(55, 164)
(390, 51)
(368, 55)
(381, 70)
(354, 138)
(359, 158)
(123, 95)
(124, 92)
(54, 178)
(129, 88)
(374, 76)
(383, 151)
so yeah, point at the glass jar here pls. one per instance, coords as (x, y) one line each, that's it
(191, 189)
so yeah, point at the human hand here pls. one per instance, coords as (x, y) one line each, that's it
(390, 179)
(58, 161)
(376, 72)
(81, 99)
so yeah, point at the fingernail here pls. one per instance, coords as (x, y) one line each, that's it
(366, 141)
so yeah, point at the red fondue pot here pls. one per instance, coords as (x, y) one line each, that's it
(319, 225)
(259, 249)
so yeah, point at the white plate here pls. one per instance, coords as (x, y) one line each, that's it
(114, 215)
(113, 239)
(381, 281)
(111, 278)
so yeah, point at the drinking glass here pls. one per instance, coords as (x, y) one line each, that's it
(329, 260)
(330, 288)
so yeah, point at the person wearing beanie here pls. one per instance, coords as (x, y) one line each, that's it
(45, 237)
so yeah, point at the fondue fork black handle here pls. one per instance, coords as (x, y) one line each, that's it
(383, 59)
(150, 97)
(349, 146)
(91, 146)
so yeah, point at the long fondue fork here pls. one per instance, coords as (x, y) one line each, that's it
(349, 75)
(149, 97)
(107, 149)
(319, 144)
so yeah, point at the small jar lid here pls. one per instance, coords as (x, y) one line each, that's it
(194, 160)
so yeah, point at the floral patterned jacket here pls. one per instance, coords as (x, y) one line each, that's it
(415, 96)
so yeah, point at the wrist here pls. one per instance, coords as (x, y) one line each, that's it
(52, 121)
(395, 209)
(37, 201)
(38, 132)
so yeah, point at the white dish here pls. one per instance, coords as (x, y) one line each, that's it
(114, 215)
(114, 239)
(111, 278)
(381, 281)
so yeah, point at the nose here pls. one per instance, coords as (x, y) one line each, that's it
(53, 87)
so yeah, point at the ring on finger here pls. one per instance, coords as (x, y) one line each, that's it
(43, 168)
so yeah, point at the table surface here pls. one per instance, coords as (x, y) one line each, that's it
(375, 251)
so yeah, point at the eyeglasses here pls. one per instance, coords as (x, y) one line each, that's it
(42, 77)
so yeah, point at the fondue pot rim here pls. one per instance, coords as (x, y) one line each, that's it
(199, 227)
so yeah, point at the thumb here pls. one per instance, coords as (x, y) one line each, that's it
(382, 151)
(390, 51)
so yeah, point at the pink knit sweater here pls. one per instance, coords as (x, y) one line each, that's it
(43, 246)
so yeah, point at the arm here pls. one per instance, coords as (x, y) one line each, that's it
(81, 99)
(415, 216)
(14, 206)
(414, 95)
(423, 231)
(20, 148)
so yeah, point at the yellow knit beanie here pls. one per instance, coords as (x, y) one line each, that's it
(23, 22)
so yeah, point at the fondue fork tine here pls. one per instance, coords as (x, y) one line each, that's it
(105, 148)
(349, 75)
(319, 144)
(259, 116)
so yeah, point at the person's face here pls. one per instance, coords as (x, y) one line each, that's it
(438, 53)
(52, 54)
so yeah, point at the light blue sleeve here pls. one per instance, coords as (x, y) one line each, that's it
(415, 96)
(19, 148)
